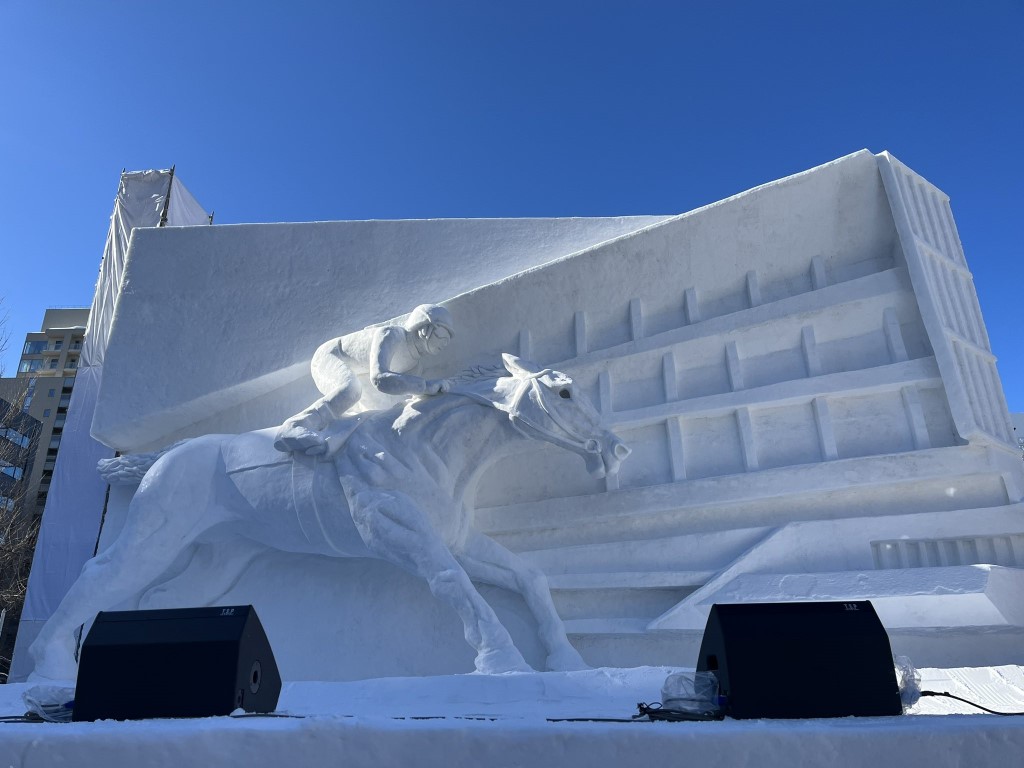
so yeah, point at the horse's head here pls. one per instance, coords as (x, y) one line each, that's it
(545, 404)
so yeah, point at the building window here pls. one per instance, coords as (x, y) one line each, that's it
(34, 347)
(53, 363)
(76, 344)
(59, 343)
(16, 437)
(65, 401)
(28, 366)
(51, 393)
(69, 382)
(72, 363)
(54, 443)
(10, 470)
(46, 413)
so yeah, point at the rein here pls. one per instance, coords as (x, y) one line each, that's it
(574, 441)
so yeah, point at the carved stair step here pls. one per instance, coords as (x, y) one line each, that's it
(629, 580)
(606, 626)
(691, 556)
(873, 485)
(616, 603)
(763, 486)
(894, 377)
(623, 595)
(885, 287)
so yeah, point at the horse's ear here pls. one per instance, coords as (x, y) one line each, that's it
(518, 366)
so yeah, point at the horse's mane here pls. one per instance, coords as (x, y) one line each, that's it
(130, 469)
(479, 373)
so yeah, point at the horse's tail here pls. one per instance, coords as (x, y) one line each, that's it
(131, 468)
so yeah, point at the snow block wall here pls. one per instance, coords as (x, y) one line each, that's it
(74, 508)
(802, 372)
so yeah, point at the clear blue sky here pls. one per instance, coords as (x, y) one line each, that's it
(306, 111)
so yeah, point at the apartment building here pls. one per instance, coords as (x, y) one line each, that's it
(33, 410)
(49, 360)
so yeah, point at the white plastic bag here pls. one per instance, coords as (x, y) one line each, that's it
(691, 691)
(909, 680)
(51, 702)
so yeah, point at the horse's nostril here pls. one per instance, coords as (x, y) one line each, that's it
(622, 451)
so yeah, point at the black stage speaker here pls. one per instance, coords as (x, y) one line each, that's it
(182, 662)
(808, 659)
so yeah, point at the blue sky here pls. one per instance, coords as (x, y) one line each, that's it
(352, 110)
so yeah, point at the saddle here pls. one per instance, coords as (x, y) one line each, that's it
(253, 450)
(316, 491)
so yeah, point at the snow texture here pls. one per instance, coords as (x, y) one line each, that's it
(503, 720)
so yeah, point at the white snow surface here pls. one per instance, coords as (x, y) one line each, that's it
(506, 720)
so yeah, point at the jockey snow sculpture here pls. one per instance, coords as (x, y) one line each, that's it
(391, 354)
(397, 484)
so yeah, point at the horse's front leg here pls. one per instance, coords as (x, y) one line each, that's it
(164, 519)
(396, 530)
(486, 560)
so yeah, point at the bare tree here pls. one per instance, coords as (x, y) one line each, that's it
(19, 526)
(5, 334)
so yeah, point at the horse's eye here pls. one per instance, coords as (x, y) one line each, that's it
(565, 394)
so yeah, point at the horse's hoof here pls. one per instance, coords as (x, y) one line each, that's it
(566, 659)
(499, 661)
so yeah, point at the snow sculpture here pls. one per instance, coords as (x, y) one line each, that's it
(391, 353)
(392, 484)
(802, 372)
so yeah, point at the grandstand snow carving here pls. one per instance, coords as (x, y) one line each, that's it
(801, 372)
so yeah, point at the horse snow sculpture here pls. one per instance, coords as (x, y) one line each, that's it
(395, 485)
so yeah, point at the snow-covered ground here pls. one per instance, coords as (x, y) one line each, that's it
(505, 720)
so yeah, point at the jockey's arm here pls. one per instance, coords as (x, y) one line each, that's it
(388, 351)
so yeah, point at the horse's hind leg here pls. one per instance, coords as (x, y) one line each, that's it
(161, 522)
(210, 571)
(487, 561)
(396, 530)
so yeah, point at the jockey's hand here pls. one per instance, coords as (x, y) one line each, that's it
(437, 386)
(296, 438)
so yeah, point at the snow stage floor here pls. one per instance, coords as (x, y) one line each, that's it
(506, 720)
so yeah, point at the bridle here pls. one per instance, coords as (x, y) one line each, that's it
(569, 439)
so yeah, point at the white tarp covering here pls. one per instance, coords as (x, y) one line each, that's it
(141, 202)
(184, 210)
(74, 505)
